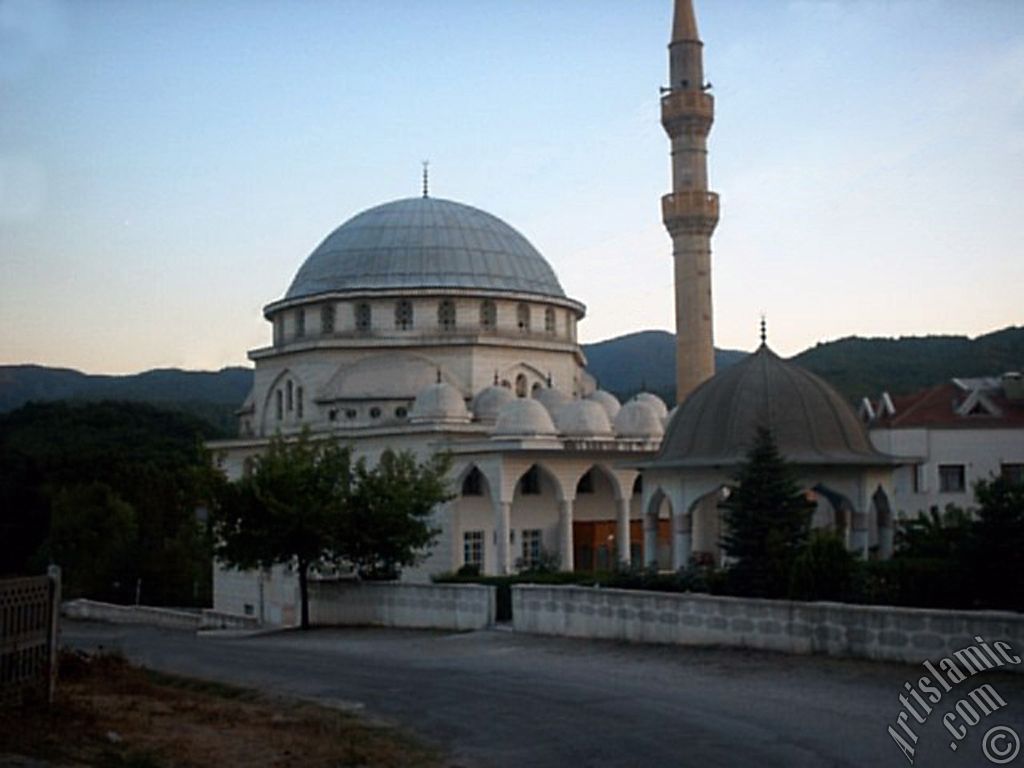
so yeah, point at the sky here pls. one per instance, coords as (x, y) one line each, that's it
(166, 166)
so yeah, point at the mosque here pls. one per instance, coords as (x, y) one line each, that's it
(429, 325)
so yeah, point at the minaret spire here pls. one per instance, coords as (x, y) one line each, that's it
(690, 212)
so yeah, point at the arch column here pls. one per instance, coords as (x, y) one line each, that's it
(650, 539)
(502, 527)
(565, 543)
(859, 534)
(682, 538)
(622, 532)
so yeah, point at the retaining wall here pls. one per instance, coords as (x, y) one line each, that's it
(865, 631)
(396, 604)
(131, 614)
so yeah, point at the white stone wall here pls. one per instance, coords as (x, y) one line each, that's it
(865, 631)
(457, 607)
(271, 596)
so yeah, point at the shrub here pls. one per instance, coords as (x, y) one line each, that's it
(823, 569)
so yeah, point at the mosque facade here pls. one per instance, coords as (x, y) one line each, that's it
(428, 325)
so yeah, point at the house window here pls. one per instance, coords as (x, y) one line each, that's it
(529, 484)
(298, 402)
(363, 317)
(531, 543)
(327, 314)
(951, 478)
(488, 315)
(549, 321)
(403, 315)
(915, 478)
(446, 315)
(473, 548)
(523, 317)
(586, 483)
(473, 484)
(300, 323)
(1013, 474)
(280, 405)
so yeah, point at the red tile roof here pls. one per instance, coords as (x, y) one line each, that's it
(937, 407)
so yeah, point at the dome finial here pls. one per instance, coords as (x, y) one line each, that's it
(426, 178)
(764, 328)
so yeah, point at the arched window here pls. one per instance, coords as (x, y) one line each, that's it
(549, 321)
(521, 385)
(473, 485)
(298, 402)
(523, 317)
(363, 317)
(291, 401)
(327, 314)
(446, 315)
(280, 404)
(529, 484)
(488, 315)
(403, 315)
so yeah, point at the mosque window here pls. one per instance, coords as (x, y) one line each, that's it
(300, 323)
(332, 415)
(523, 317)
(529, 484)
(586, 483)
(446, 315)
(291, 396)
(351, 413)
(473, 484)
(298, 402)
(280, 405)
(488, 315)
(401, 412)
(327, 314)
(531, 543)
(363, 316)
(403, 315)
(278, 330)
(473, 548)
(521, 385)
(375, 412)
(549, 321)
(638, 485)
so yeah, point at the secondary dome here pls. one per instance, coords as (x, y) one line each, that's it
(810, 421)
(654, 401)
(583, 418)
(551, 398)
(425, 242)
(607, 400)
(488, 403)
(639, 419)
(439, 403)
(524, 417)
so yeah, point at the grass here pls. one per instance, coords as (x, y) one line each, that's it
(112, 714)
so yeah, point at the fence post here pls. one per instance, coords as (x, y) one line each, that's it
(54, 573)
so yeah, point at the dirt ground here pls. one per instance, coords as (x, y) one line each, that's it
(109, 713)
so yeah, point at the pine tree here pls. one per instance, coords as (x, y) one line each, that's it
(767, 521)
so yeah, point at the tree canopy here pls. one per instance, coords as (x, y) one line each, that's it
(308, 503)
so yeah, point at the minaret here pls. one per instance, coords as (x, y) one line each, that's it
(690, 213)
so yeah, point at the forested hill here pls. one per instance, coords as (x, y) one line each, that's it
(858, 367)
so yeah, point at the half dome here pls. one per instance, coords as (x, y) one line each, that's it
(425, 242)
(810, 421)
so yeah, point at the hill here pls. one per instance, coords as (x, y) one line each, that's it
(628, 364)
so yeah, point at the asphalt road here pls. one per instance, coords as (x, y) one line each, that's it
(497, 698)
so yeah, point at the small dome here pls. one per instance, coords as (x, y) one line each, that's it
(583, 418)
(639, 419)
(551, 398)
(523, 417)
(439, 403)
(607, 400)
(656, 402)
(488, 403)
(810, 421)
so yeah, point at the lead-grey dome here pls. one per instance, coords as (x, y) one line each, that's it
(810, 421)
(425, 242)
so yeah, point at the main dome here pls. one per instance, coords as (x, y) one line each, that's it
(425, 242)
(810, 421)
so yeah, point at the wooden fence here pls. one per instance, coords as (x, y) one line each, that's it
(29, 616)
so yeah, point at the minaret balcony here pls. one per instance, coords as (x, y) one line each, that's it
(685, 108)
(694, 211)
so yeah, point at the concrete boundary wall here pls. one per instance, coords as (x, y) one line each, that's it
(395, 604)
(93, 610)
(864, 631)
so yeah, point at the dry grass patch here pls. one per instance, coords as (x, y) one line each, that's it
(110, 713)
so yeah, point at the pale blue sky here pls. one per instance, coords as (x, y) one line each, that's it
(166, 166)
